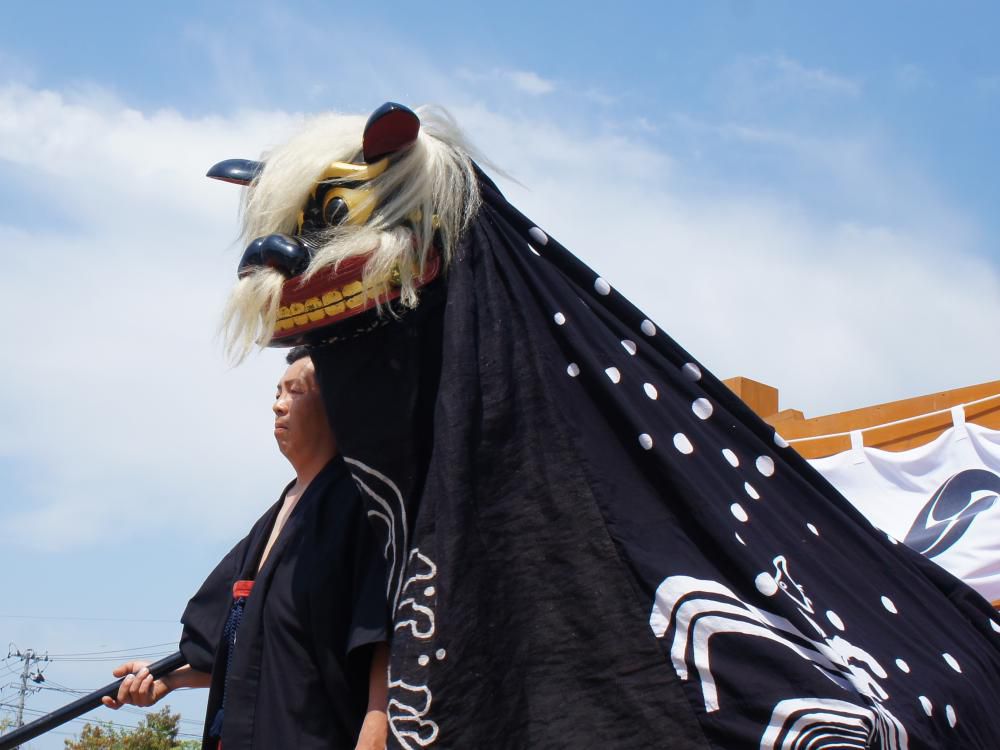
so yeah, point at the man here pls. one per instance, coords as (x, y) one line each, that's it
(305, 594)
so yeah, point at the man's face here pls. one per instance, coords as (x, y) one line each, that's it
(300, 425)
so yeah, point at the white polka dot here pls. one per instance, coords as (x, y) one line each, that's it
(538, 236)
(602, 287)
(738, 512)
(902, 666)
(629, 346)
(645, 441)
(440, 654)
(650, 390)
(613, 375)
(533, 251)
(559, 318)
(766, 584)
(889, 605)
(740, 540)
(682, 443)
(780, 441)
(995, 626)
(730, 457)
(691, 371)
(926, 705)
(751, 491)
(950, 713)
(429, 591)
(835, 620)
(952, 662)
(765, 465)
(891, 539)
(648, 328)
(813, 529)
(423, 660)
(702, 408)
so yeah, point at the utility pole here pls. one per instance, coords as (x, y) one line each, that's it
(30, 658)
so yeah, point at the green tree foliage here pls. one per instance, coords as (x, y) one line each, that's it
(157, 731)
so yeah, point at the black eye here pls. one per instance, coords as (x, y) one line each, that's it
(335, 211)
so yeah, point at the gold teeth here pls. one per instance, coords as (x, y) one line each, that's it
(330, 305)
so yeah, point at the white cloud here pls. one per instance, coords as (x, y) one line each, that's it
(524, 81)
(529, 82)
(762, 81)
(116, 396)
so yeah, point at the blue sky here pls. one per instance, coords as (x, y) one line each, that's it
(803, 194)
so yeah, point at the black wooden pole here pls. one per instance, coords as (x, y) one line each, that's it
(82, 705)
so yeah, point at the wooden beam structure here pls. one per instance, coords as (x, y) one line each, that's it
(894, 426)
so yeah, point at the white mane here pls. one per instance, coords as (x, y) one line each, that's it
(433, 180)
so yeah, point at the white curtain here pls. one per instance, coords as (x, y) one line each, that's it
(942, 499)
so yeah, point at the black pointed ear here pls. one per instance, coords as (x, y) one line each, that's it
(237, 171)
(391, 128)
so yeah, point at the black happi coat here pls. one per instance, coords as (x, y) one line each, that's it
(299, 672)
(595, 544)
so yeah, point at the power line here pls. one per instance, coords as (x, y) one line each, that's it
(83, 619)
(113, 650)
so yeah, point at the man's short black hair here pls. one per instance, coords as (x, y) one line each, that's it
(297, 353)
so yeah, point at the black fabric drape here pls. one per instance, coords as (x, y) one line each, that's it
(594, 543)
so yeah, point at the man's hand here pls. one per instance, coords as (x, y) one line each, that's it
(139, 687)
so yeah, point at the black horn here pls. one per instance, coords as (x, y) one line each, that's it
(237, 171)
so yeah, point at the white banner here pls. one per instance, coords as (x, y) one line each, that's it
(942, 499)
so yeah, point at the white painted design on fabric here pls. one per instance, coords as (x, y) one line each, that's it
(650, 390)
(559, 318)
(749, 489)
(889, 605)
(682, 443)
(409, 703)
(702, 408)
(691, 371)
(602, 287)
(902, 666)
(952, 662)
(780, 441)
(645, 441)
(406, 719)
(690, 611)
(813, 529)
(765, 465)
(648, 328)
(739, 513)
(395, 519)
(925, 703)
(730, 457)
(629, 346)
(806, 723)
(573, 369)
(538, 236)
(613, 375)
(949, 712)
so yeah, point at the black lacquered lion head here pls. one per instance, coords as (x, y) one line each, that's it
(343, 218)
